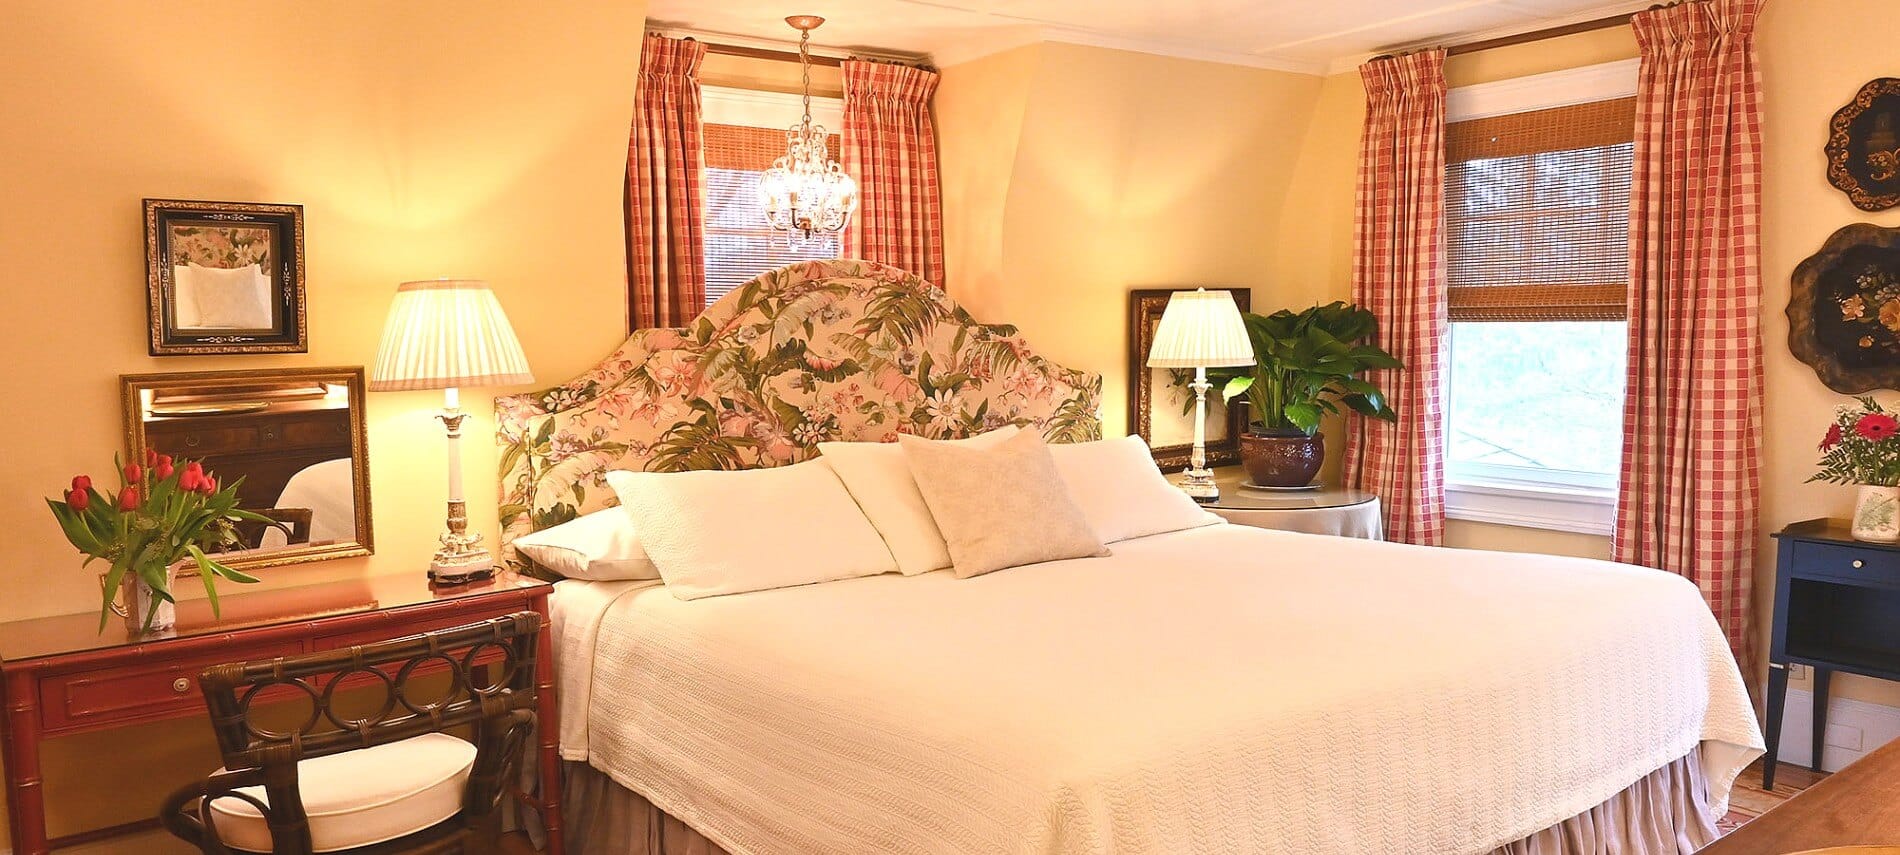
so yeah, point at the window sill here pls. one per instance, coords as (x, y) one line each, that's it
(1581, 510)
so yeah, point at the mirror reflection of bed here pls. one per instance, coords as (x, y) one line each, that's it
(291, 436)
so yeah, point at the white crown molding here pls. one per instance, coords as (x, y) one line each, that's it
(1622, 7)
(990, 45)
(1091, 38)
(723, 105)
(1543, 91)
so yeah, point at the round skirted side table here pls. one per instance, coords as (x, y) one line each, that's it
(1327, 510)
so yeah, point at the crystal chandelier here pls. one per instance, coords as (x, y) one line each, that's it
(806, 191)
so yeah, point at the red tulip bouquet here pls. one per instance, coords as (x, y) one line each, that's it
(162, 513)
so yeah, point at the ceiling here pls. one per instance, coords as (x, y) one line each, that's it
(1315, 36)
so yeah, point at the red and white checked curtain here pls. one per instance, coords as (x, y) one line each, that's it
(1690, 493)
(666, 199)
(1398, 273)
(890, 147)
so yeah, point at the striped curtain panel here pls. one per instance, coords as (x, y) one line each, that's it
(666, 202)
(1692, 428)
(890, 147)
(1399, 274)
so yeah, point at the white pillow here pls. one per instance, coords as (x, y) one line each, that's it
(1122, 492)
(880, 479)
(225, 298)
(718, 532)
(600, 546)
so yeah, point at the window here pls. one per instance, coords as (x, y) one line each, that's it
(1537, 243)
(744, 133)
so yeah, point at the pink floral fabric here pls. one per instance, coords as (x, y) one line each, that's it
(1691, 493)
(813, 352)
(666, 194)
(890, 148)
(1399, 274)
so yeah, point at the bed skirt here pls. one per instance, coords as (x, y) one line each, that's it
(1665, 813)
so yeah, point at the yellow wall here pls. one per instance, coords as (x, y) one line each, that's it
(1075, 174)
(771, 75)
(425, 137)
(1811, 66)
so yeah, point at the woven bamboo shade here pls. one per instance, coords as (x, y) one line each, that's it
(751, 149)
(1537, 214)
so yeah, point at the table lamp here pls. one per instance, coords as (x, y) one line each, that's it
(445, 334)
(1200, 329)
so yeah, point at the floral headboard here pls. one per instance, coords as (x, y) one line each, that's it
(818, 351)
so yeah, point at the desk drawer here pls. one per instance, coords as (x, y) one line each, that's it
(1845, 563)
(391, 625)
(128, 693)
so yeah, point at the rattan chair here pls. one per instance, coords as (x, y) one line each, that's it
(392, 781)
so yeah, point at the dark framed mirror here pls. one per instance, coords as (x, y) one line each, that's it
(224, 277)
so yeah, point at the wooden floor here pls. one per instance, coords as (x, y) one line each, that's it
(1749, 800)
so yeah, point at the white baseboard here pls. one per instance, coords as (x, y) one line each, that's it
(1854, 729)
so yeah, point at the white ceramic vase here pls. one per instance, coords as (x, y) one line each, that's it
(1877, 514)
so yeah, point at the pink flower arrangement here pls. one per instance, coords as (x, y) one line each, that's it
(1859, 447)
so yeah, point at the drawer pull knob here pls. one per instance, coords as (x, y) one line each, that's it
(181, 685)
(1858, 563)
(191, 441)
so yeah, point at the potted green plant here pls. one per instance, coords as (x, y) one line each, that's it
(162, 515)
(1307, 364)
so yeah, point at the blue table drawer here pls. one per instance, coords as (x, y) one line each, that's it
(1864, 565)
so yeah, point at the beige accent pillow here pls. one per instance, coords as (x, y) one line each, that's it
(878, 476)
(1002, 506)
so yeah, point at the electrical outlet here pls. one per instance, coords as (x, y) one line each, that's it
(1797, 672)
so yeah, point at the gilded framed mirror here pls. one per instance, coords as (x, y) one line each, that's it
(1160, 405)
(294, 436)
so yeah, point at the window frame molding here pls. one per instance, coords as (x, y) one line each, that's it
(1479, 492)
(760, 108)
(1569, 87)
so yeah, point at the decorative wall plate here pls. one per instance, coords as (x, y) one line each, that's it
(1844, 312)
(1863, 146)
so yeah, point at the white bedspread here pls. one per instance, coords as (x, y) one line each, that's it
(1219, 690)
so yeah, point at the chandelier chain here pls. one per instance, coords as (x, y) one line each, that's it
(804, 66)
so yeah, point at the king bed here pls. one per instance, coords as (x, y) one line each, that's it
(1210, 688)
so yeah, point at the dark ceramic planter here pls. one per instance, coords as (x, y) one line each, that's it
(1282, 458)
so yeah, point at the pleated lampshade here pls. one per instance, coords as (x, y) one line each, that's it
(1201, 329)
(444, 333)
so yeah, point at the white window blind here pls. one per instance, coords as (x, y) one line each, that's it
(739, 245)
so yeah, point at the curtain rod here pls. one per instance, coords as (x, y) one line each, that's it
(768, 53)
(1540, 35)
(778, 51)
(1549, 32)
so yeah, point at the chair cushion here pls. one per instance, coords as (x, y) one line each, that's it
(362, 797)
